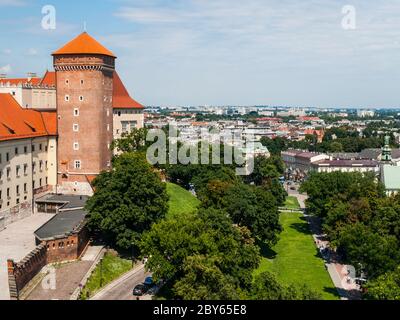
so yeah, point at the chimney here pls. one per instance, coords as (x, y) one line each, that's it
(31, 75)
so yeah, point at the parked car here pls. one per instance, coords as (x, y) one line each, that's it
(140, 290)
(153, 290)
(148, 281)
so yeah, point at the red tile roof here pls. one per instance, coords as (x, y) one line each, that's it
(20, 81)
(19, 123)
(84, 44)
(49, 79)
(121, 97)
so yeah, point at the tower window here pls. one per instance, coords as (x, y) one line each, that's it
(66, 97)
(76, 146)
(82, 82)
(76, 127)
(77, 164)
(76, 112)
(80, 98)
(66, 81)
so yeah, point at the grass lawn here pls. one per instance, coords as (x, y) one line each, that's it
(180, 200)
(292, 203)
(111, 268)
(295, 258)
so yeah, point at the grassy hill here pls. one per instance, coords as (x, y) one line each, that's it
(295, 258)
(180, 200)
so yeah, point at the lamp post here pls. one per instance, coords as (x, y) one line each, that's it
(101, 272)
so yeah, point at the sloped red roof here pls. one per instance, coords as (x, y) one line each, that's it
(84, 44)
(121, 97)
(19, 123)
(50, 122)
(20, 81)
(49, 79)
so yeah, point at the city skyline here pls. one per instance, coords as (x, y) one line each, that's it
(223, 52)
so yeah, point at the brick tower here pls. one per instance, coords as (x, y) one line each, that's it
(84, 77)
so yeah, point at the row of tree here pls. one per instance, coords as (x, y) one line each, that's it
(207, 254)
(362, 223)
(341, 139)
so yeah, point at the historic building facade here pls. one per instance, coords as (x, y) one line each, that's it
(32, 92)
(88, 90)
(28, 151)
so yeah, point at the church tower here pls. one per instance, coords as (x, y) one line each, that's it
(84, 78)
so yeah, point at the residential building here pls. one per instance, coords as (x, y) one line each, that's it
(128, 113)
(361, 166)
(32, 92)
(28, 151)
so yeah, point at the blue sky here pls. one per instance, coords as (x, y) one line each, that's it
(223, 52)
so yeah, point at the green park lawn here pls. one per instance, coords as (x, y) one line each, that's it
(295, 259)
(110, 269)
(292, 203)
(180, 200)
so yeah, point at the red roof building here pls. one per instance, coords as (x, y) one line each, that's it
(84, 44)
(121, 97)
(19, 123)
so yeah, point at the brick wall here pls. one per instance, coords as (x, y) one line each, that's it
(53, 251)
(19, 274)
(17, 213)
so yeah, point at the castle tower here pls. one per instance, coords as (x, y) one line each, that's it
(84, 78)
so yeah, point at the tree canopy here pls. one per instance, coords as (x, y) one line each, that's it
(127, 200)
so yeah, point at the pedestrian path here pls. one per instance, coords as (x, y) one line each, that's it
(340, 273)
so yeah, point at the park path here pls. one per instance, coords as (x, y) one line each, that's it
(339, 273)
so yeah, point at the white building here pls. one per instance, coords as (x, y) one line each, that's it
(32, 92)
(28, 151)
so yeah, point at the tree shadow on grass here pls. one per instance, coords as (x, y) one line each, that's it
(334, 291)
(301, 227)
(266, 251)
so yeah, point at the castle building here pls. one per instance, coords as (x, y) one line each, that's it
(61, 147)
(32, 92)
(84, 78)
(28, 151)
(91, 100)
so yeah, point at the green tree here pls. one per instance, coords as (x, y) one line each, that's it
(127, 200)
(267, 287)
(199, 247)
(254, 208)
(132, 141)
(360, 246)
(385, 287)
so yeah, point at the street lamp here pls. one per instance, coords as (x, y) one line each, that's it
(101, 272)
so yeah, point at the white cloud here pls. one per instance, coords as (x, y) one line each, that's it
(32, 52)
(5, 69)
(6, 51)
(12, 3)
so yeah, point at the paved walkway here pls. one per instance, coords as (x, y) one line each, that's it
(345, 285)
(68, 277)
(16, 241)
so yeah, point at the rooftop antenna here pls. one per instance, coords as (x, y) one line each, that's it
(84, 26)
